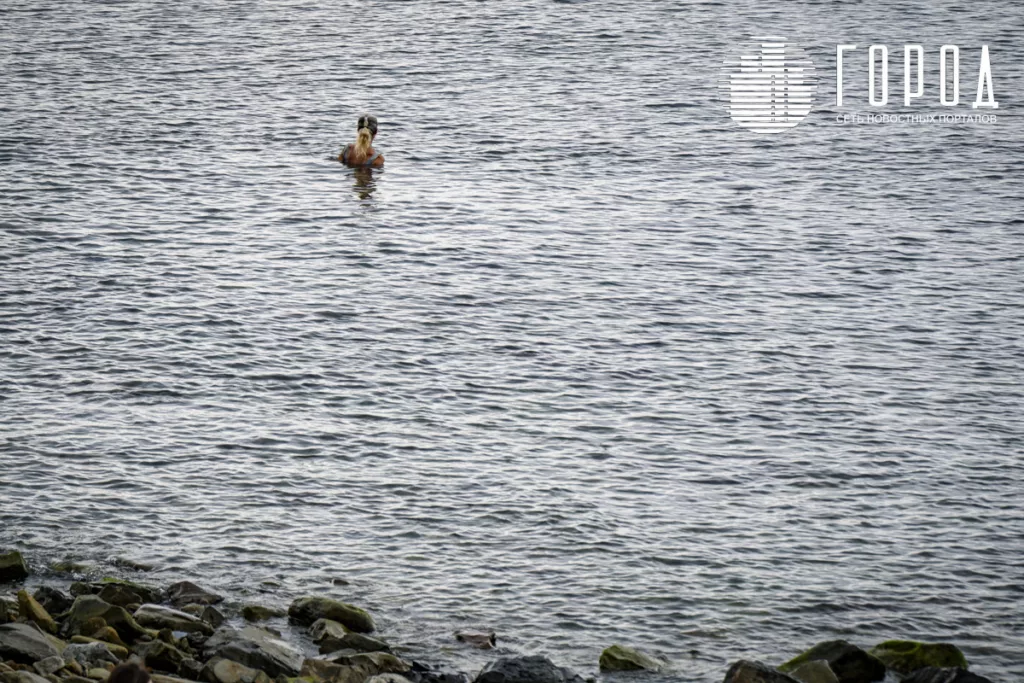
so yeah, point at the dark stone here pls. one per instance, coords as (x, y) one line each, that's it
(529, 669)
(423, 673)
(257, 649)
(146, 593)
(12, 566)
(53, 601)
(212, 616)
(87, 607)
(25, 643)
(190, 669)
(746, 671)
(185, 592)
(849, 663)
(933, 674)
(122, 596)
(309, 609)
(163, 656)
(907, 656)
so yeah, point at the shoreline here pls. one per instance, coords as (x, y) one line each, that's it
(77, 631)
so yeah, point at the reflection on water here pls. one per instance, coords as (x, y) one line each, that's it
(364, 184)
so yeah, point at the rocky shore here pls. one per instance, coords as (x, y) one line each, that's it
(78, 633)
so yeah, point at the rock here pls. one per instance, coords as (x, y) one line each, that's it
(80, 588)
(49, 665)
(529, 669)
(620, 658)
(78, 678)
(815, 671)
(184, 592)
(330, 636)
(157, 616)
(309, 609)
(374, 662)
(353, 667)
(934, 674)
(117, 594)
(220, 670)
(146, 592)
(190, 669)
(89, 655)
(70, 567)
(745, 671)
(257, 649)
(25, 643)
(109, 635)
(211, 615)
(162, 656)
(119, 651)
(135, 565)
(421, 673)
(98, 674)
(24, 677)
(479, 639)
(848, 662)
(261, 613)
(74, 667)
(87, 607)
(907, 656)
(194, 609)
(161, 678)
(12, 566)
(52, 600)
(33, 611)
(388, 678)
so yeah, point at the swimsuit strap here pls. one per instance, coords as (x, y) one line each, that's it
(344, 154)
(369, 162)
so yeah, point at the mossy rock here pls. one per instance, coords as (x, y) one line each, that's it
(848, 662)
(907, 656)
(87, 607)
(147, 593)
(31, 610)
(12, 566)
(308, 609)
(261, 613)
(621, 658)
(70, 567)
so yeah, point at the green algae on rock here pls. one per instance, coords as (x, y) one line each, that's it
(261, 613)
(12, 566)
(814, 671)
(907, 656)
(848, 662)
(87, 607)
(31, 610)
(622, 658)
(746, 671)
(308, 609)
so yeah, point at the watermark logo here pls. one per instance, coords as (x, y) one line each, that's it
(771, 87)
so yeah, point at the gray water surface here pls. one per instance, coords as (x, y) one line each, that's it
(587, 363)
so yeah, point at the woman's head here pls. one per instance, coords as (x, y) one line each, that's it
(366, 130)
(129, 672)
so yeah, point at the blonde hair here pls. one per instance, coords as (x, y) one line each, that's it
(364, 138)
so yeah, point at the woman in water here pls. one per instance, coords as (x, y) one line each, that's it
(362, 153)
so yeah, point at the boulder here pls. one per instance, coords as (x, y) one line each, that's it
(159, 617)
(49, 665)
(388, 678)
(815, 671)
(185, 592)
(161, 678)
(484, 640)
(70, 567)
(25, 643)
(162, 656)
(31, 610)
(220, 670)
(12, 566)
(87, 607)
(24, 677)
(848, 662)
(261, 613)
(145, 592)
(353, 667)
(528, 669)
(134, 565)
(89, 655)
(117, 594)
(907, 656)
(620, 658)
(934, 674)
(52, 600)
(257, 649)
(308, 609)
(330, 636)
(98, 674)
(191, 669)
(422, 673)
(212, 616)
(746, 671)
(119, 651)
(109, 635)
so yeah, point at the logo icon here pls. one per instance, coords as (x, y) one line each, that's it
(771, 87)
